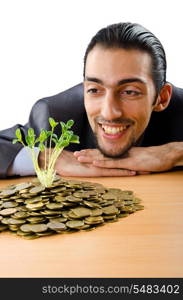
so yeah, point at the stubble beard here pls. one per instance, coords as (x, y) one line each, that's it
(122, 152)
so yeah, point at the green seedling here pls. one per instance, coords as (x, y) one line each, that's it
(46, 175)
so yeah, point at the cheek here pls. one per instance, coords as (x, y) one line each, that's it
(92, 108)
(139, 112)
(90, 112)
(142, 118)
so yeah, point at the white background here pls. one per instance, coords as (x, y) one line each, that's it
(42, 43)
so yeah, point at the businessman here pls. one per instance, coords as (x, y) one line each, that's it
(128, 117)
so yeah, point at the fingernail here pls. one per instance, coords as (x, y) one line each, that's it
(132, 172)
(80, 158)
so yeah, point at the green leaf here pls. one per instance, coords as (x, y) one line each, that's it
(69, 124)
(31, 132)
(70, 132)
(49, 133)
(15, 141)
(41, 147)
(63, 144)
(18, 134)
(31, 137)
(52, 122)
(74, 139)
(42, 136)
(63, 125)
(27, 138)
(37, 140)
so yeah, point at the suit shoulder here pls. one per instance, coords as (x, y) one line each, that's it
(177, 94)
(66, 105)
(72, 94)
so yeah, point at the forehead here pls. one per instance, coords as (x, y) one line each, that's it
(113, 64)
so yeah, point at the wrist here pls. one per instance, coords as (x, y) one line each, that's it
(177, 153)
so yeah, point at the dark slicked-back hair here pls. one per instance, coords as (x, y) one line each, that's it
(133, 36)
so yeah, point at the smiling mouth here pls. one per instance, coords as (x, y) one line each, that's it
(114, 130)
(114, 138)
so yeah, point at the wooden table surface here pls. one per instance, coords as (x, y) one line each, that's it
(148, 243)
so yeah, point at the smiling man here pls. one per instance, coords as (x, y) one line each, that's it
(120, 96)
(130, 121)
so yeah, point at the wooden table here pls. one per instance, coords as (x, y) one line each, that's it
(148, 243)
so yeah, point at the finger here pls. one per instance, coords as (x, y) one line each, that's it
(143, 172)
(85, 159)
(92, 153)
(113, 163)
(78, 153)
(88, 151)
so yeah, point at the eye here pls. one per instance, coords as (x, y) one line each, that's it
(130, 94)
(92, 91)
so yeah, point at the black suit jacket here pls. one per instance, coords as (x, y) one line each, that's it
(164, 127)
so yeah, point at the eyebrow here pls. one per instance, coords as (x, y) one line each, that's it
(120, 82)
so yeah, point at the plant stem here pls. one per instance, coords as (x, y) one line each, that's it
(45, 155)
(50, 143)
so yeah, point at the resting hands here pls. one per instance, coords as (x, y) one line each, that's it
(139, 160)
(68, 165)
(142, 160)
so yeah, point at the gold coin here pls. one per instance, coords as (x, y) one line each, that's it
(8, 211)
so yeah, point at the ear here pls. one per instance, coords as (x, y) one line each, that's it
(164, 97)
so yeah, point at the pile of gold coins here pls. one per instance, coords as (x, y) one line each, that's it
(31, 210)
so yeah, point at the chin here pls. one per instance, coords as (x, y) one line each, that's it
(114, 151)
(115, 154)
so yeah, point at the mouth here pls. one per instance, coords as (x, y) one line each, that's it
(114, 131)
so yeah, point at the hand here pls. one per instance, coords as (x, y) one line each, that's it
(97, 159)
(143, 160)
(89, 155)
(68, 165)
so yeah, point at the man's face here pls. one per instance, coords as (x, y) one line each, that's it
(119, 93)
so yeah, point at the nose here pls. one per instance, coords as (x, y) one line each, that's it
(111, 107)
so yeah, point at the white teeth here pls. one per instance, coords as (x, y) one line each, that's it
(113, 130)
